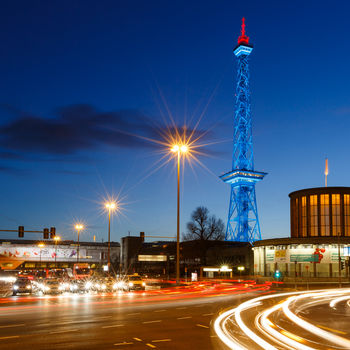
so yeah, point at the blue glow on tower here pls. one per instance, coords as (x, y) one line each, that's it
(243, 222)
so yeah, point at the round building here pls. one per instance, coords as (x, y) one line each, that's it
(319, 244)
(320, 212)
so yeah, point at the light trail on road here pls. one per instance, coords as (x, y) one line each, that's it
(195, 290)
(296, 320)
(177, 317)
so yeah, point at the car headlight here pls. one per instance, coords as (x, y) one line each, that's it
(28, 287)
(131, 284)
(75, 287)
(120, 284)
(103, 286)
(15, 287)
(47, 288)
(143, 284)
(97, 286)
(88, 285)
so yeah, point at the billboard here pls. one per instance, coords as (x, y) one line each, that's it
(35, 253)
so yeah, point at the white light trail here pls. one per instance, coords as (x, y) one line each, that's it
(336, 301)
(270, 336)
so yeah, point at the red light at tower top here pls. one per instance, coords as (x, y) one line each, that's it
(243, 39)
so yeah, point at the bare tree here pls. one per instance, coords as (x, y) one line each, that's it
(204, 227)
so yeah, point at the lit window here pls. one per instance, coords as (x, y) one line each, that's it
(303, 217)
(313, 216)
(347, 214)
(324, 201)
(336, 227)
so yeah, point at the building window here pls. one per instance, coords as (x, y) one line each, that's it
(324, 201)
(336, 227)
(303, 217)
(347, 214)
(313, 216)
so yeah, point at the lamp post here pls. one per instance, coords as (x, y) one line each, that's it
(178, 149)
(40, 245)
(78, 227)
(56, 238)
(110, 206)
(240, 269)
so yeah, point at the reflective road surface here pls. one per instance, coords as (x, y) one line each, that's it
(299, 320)
(173, 318)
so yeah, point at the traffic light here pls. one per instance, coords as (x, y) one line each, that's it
(46, 233)
(52, 232)
(20, 231)
(277, 274)
(342, 265)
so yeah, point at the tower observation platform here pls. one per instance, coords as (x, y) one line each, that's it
(243, 222)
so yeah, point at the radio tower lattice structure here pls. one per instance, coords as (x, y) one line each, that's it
(243, 222)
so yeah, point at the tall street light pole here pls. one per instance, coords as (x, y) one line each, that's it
(78, 227)
(178, 149)
(110, 206)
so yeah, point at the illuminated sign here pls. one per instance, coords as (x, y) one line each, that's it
(280, 255)
(217, 269)
(152, 258)
(35, 253)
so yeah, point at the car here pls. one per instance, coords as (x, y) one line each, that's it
(102, 284)
(77, 286)
(22, 285)
(52, 286)
(107, 284)
(134, 282)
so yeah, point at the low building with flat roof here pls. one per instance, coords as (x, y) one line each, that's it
(33, 254)
(159, 258)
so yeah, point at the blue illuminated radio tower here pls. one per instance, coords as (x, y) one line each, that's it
(243, 222)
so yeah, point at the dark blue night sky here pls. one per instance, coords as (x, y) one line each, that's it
(79, 79)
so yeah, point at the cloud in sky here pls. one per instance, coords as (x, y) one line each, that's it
(77, 128)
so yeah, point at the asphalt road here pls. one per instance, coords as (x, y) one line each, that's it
(302, 320)
(176, 318)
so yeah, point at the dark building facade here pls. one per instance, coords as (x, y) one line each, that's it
(129, 250)
(199, 254)
(320, 212)
(151, 258)
(159, 258)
